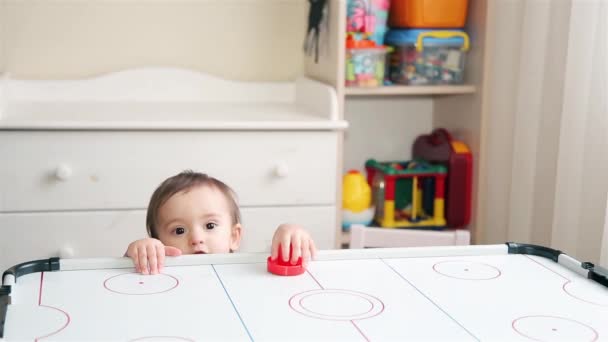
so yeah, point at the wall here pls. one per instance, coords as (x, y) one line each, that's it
(604, 254)
(384, 128)
(2, 24)
(547, 125)
(236, 39)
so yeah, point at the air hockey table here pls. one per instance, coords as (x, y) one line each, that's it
(511, 292)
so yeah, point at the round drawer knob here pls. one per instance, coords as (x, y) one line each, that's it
(281, 170)
(63, 172)
(66, 252)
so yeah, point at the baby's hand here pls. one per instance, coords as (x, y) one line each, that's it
(149, 255)
(301, 242)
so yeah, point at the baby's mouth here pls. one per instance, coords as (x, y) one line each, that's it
(199, 252)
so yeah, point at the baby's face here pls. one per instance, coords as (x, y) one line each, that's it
(198, 221)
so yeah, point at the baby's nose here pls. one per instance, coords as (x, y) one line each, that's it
(196, 239)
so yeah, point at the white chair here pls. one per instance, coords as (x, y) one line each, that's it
(362, 236)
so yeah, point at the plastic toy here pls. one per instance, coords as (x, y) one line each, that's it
(368, 16)
(365, 62)
(407, 194)
(284, 268)
(440, 148)
(356, 200)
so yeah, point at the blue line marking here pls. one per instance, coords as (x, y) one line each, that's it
(429, 299)
(231, 302)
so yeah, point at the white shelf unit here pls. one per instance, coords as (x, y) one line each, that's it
(458, 108)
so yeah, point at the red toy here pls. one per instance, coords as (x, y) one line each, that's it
(285, 268)
(439, 147)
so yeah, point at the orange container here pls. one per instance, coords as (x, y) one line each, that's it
(428, 13)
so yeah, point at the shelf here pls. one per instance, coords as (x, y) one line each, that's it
(410, 90)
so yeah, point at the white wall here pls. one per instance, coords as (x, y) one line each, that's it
(236, 39)
(547, 142)
(604, 255)
(384, 128)
(2, 24)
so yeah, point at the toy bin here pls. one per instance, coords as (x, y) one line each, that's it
(428, 13)
(426, 57)
(368, 16)
(365, 63)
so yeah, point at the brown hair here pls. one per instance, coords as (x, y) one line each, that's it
(185, 181)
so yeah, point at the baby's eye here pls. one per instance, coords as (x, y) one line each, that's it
(211, 225)
(180, 230)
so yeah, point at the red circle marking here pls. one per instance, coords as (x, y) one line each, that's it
(565, 288)
(371, 307)
(67, 322)
(162, 338)
(595, 334)
(498, 273)
(295, 302)
(141, 282)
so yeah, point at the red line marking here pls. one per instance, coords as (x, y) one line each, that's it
(315, 279)
(69, 319)
(359, 330)
(40, 291)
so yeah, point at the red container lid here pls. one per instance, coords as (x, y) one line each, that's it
(352, 43)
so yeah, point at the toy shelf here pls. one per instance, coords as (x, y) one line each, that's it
(462, 112)
(410, 90)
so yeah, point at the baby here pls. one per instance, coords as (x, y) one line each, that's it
(192, 213)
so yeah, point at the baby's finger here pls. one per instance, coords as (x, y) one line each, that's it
(305, 253)
(143, 260)
(274, 250)
(296, 246)
(135, 257)
(313, 249)
(152, 259)
(285, 247)
(160, 255)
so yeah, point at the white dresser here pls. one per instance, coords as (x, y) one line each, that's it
(80, 158)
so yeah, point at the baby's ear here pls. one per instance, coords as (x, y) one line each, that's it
(235, 237)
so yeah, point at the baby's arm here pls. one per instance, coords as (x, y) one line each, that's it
(149, 255)
(300, 240)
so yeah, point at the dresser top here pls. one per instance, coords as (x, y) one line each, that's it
(167, 99)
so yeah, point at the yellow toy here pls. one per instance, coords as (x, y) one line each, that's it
(356, 200)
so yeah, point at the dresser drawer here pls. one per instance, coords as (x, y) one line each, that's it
(259, 225)
(27, 236)
(66, 170)
(83, 234)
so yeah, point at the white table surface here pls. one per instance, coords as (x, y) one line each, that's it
(344, 296)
